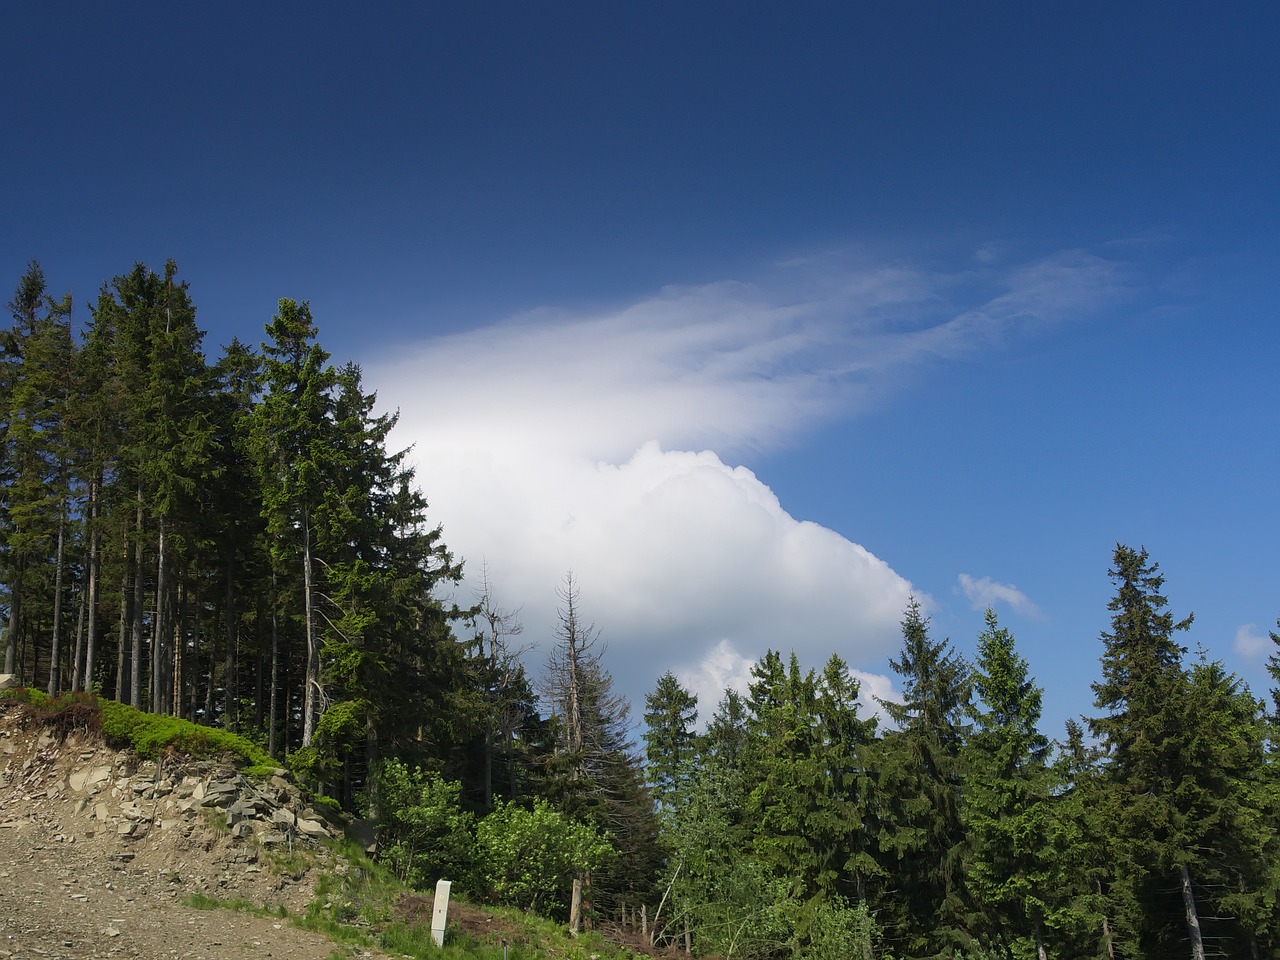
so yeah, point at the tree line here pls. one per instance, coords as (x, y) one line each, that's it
(229, 541)
(232, 541)
(797, 826)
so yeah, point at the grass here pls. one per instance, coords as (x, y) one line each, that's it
(355, 905)
(202, 901)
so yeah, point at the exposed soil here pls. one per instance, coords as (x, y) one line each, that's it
(73, 886)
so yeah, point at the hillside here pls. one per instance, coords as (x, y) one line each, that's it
(100, 849)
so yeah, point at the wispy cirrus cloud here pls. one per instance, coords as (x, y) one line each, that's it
(597, 442)
(985, 592)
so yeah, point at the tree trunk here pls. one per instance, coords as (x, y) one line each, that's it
(197, 625)
(77, 655)
(135, 615)
(11, 635)
(1193, 917)
(275, 669)
(1106, 928)
(229, 662)
(91, 624)
(311, 676)
(575, 907)
(177, 640)
(55, 668)
(159, 688)
(1041, 952)
(122, 642)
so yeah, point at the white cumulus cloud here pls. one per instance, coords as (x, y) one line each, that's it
(1250, 642)
(596, 443)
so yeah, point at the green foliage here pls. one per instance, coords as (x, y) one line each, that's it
(671, 712)
(423, 834)
(923, 899)
(151, 735)
(528, 857)
(1007, 808)
(834, 928)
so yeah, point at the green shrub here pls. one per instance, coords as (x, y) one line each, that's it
(423, 832)
(531, 856)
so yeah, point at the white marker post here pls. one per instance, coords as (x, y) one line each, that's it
(441, 912)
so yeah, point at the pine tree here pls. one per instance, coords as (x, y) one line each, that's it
(233, 531)
(1143, 692)
(926, 903)
(597, 779)
(507, 697)
(36, 362)
(1007, 802)
(172, 456)
(381, 565)
(671, 712)
(293, 435)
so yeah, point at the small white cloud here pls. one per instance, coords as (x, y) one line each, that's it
(1250, 642)
(874, 688)
(723, 668)
(987, 593)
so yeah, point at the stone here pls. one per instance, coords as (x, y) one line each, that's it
(7, 681)
(312, 828)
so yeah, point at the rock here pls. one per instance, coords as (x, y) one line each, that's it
(312, 828)
(8, 680)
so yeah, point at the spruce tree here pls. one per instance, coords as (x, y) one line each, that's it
(596, 778)
(36, 359)
(293, 442)
(925, 903)
(1143, 693)
(671, 712)
(1007, 802)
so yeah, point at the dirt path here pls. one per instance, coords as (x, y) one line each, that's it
(75, 900)
(93, 866)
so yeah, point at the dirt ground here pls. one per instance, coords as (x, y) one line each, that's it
(72, 888)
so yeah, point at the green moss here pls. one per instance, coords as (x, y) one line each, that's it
(150, 735)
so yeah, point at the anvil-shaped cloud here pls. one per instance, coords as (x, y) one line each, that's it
(555, 442)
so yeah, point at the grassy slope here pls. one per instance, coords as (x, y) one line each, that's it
(361, 904)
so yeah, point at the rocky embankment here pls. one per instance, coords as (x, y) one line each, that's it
(99, 850)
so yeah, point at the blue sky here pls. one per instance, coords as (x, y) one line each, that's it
(757, 316)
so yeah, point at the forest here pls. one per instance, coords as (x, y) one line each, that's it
(231, 541)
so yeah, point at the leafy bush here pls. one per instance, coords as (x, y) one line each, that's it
(424, 835)
(832, 928)
(529, 857)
